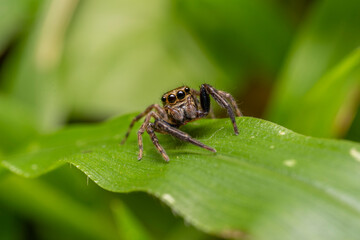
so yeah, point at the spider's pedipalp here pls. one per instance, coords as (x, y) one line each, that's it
(204, 100)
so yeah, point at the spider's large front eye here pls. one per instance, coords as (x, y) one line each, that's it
(180, 94)
(163, 99)
(171, 98)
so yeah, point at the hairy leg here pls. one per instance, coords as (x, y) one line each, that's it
(140, 141)
(155, 140)
(141, 115)
(195, 92)
(232, 101)
(221, 100)
(149, 128)
(162, 126)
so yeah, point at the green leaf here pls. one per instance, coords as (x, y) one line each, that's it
(266, 183)
(327, 109)
(128, 225)
(240, 35)
(327, 37)
(31, 70)
(17, 124)
(3, 171)
(182, 231)
(156, 217)
(9, 226)
(117, 50)
(112, 51)
(14, 15)
(354, 131)
(47, 205)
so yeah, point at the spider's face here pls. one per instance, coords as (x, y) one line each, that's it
(176, 96)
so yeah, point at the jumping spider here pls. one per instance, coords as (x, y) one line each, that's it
(180, 106)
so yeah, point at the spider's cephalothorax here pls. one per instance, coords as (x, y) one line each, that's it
(181, 106)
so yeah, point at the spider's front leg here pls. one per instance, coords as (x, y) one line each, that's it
(161, 126)
(232, 101)
(149, 127)
(141, 115)
(221, 98)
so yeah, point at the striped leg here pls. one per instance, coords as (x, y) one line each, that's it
(141, 115)
(149, 127)
(232, 101)
(161, 126)
(155, 140)
(140, 141)
(221, 100)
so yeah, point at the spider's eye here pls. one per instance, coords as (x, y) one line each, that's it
(180, 94)
(187, 90)
(163, 99)
(171, 98)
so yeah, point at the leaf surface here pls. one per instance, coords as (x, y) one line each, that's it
(266, 183)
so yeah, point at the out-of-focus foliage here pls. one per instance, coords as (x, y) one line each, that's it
(326, 38)
(41, 205)
(129, 226)
(315, 116)
(66, 61)
(9, 226)
(354, 131)
(131, 55)
(105, 59)
(17, 124)
(241, 36)
(14, 16)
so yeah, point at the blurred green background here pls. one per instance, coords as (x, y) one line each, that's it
(64, 62)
